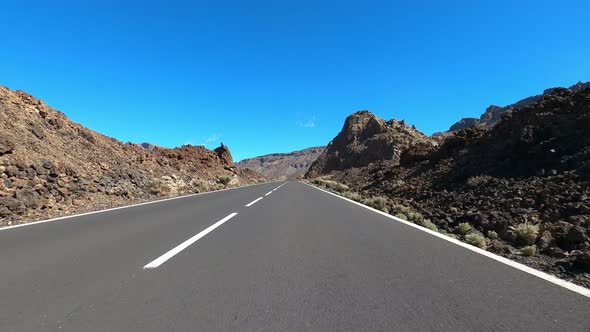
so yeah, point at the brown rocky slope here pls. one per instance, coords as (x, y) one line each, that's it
(520, 189)
(283, 166)
(51, 166)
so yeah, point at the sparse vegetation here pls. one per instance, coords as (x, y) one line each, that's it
(337, 187)
(493, 235)
(451, 235)
(159, 187)
(525, 232)
(476, 240)
(415, 216)
(224, 179)
(463, 228)
(377, 202)
(353, 196)
(401, 216)
(430, 225)
(409, 214)
(331, 185)
(529, 250)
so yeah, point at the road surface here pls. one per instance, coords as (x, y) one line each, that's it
(298, 259)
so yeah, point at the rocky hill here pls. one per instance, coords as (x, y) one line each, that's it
(520, 189)
(366, 138)
(51, 166)
(283, 166)
(493, 113)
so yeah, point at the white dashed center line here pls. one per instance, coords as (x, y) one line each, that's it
(162, 259)
(253, 202)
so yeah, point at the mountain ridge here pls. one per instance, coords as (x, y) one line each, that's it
(287, 165)
(493, 113)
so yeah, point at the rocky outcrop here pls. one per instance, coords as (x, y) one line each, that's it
(493, 114)
(549, 137)
(5, 146)
(283, 166)
(527, 176)
(465, 123)
(366, 138)
(224, 155)
(50, 166)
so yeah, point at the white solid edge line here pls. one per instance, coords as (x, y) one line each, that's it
(125, 207)
(268, 193)
(253, 202)
(162, 259)
(545, 276)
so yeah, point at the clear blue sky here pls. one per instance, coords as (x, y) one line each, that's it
(274, 76)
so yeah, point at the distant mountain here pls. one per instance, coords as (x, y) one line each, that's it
(148, 146)
(283, 165)
(493, 114)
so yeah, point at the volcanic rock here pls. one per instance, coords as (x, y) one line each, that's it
(5, 146)
(50, 165)
(364, 139)
(224, 155)
(493, 114)
(531, 169)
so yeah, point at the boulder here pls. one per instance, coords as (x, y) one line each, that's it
(576, 234)
(545, 240)
(38, 132)
(6, 146)
(581, 260)
(556, 252)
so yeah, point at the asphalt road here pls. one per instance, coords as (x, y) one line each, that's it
(299, 259)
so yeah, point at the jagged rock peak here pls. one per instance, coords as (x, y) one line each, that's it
(224, 154)
(366, 138)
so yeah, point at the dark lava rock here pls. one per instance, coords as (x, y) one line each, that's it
(47, 164)
(566, 264)
(581, 260)
(5, 146)
(556, 252)
(576, 234)
(545, 240)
